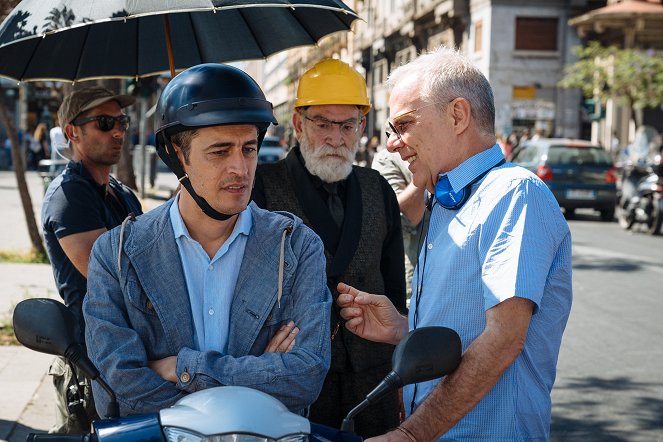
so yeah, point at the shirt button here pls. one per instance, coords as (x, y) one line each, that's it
(211, 267)
(430, 246)
(210, 311)
(185, 377)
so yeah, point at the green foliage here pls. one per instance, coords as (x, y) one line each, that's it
(632, 77)
(7, 334)
(31, 257)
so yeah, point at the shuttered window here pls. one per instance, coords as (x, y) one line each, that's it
(478, 36)
(536, 33)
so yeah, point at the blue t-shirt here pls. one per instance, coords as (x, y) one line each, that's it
(75, 203)
(509, 239)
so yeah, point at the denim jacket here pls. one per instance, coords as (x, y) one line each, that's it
(142, 313)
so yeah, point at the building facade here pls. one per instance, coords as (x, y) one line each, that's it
(522, 46)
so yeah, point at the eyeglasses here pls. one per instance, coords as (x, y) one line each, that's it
(324, 126)
(105, 123)
(399, 133)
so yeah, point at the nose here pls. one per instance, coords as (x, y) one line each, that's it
(118, 131)
(394, 142)
(335, 135)
(238, 164)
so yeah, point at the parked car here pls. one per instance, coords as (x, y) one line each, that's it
(579, 173)
(270, 150)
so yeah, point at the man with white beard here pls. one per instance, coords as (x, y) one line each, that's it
(355, 212)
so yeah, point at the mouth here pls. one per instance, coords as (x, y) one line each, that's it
(411, 159)
(235, 188)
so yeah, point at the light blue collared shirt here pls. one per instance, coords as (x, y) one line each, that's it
(211, 283)
(509, 239)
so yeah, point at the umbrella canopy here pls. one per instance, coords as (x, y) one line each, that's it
(87, 39)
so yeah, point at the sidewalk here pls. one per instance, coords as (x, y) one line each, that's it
(26, 393)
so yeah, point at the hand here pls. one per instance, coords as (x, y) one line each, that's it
(371, 317)
(166, 368)
(284, 339)
(392, 436)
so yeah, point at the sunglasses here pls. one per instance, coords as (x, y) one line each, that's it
(105, 123)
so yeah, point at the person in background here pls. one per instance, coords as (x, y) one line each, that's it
(411, 203)
(39, 146)
(356, 214)
(495, 266)
(7, 154)
(209, 290)
(80, 204)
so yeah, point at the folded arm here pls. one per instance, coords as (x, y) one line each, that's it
(122, 340)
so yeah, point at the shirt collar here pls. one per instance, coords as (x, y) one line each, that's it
(474, 166)
(242, 226)
(78, 168)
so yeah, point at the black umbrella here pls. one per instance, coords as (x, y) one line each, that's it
(87, 39)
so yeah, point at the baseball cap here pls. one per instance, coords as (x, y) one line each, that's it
(82, 100)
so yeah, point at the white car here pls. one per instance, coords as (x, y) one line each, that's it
(270, 150)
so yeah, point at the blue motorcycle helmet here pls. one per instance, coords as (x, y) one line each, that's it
(209, 94)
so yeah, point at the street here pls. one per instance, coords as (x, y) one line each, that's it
(609, 381)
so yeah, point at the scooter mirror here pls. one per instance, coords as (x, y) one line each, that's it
(44, 325)
(48, 326)
(424, 354)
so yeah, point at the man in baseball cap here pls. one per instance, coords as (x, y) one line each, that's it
(80, 204)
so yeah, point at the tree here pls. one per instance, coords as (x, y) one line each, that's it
(17, 157)
(634, 78)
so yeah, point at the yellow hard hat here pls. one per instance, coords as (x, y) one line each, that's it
(332, 82)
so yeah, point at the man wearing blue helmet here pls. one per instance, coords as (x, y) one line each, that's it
(209, 290)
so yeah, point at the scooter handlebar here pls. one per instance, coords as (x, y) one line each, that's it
(42, 437)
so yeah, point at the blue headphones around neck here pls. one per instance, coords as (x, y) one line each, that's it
(445, 195)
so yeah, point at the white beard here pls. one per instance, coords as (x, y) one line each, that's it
(328, 168)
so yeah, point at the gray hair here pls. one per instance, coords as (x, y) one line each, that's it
(445, 74)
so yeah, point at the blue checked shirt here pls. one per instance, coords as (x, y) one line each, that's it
(509, 239)
(211, 283)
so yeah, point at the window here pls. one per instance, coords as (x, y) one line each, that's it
(478, 35)
(405, 55)
(536, 33)
(379, 71)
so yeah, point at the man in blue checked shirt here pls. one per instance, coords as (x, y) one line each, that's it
(495, 265)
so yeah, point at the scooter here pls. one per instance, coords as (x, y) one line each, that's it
(223, 414)
(641, 196)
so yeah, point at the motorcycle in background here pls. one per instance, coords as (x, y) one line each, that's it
(223, 414)
(641, 197)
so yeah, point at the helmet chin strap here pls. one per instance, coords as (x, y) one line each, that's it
(169, 156)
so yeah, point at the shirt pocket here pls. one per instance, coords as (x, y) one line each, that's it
(145, 321)
(138, 299)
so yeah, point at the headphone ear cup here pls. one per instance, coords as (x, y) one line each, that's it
(446, 196)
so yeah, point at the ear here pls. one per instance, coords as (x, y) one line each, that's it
(180, 155)
(297, 123)
(461, 114)
(70, 132)
(363, 124)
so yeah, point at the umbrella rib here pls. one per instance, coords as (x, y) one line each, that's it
(137, 60)
(313, 39)
(253, 34)
(195, 37)
(20, 78)
(78, 68)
